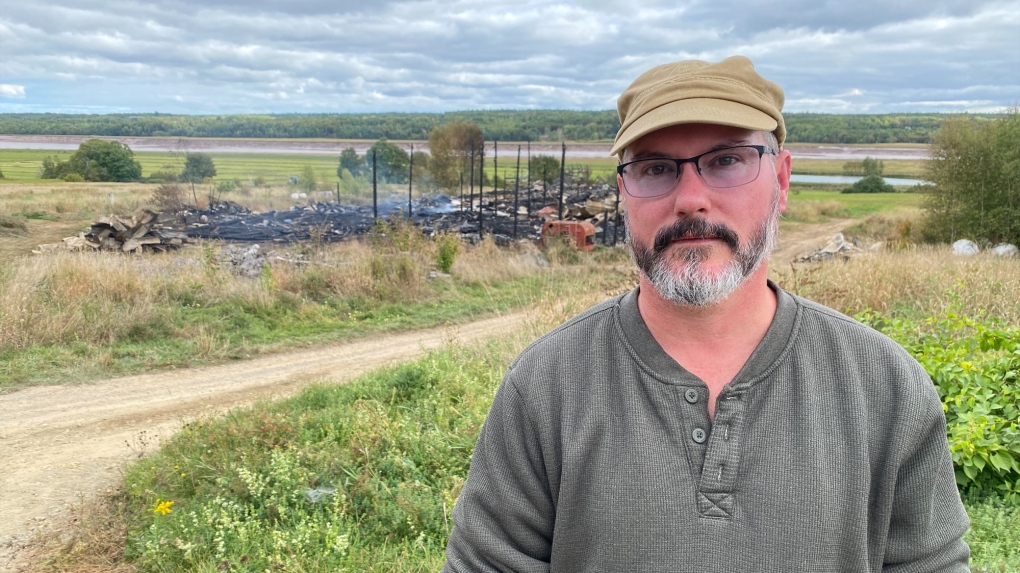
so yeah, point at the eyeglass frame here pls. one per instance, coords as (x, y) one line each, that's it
(761, 149)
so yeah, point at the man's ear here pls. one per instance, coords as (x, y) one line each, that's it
(783, 163)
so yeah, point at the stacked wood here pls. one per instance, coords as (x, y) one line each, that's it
(138, 233)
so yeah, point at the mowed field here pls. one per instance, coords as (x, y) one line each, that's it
(23, 165)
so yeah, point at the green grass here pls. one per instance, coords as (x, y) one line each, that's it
(852, 205)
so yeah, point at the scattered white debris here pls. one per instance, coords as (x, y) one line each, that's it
(1006, 250)
(965, 247)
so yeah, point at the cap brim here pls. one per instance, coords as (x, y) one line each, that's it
(696, 110)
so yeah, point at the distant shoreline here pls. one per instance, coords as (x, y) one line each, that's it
(335, 146)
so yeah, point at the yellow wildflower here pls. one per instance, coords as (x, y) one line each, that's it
(163, 507)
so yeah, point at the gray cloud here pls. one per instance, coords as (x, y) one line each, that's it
(228, 56)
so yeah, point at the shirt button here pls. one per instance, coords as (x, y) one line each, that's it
(691, 395)
(699, 435)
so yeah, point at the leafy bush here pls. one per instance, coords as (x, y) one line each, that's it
(73, 178)
(446, 251)
(870, 184)
(976, 367)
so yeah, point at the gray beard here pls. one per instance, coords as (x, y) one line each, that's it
(680, 275)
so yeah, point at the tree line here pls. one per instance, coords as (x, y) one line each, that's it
(501, 125)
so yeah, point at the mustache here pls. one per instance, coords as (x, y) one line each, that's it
(696, 228)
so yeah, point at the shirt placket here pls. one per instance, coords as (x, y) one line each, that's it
(717, 486)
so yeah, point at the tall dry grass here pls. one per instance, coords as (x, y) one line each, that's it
(917, 281)
(102, 298)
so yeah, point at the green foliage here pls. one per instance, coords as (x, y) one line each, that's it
(870, 184)
(73, 178)
(544, 168)
(975, 366)
(452, 146)
(95, 160)
(976, 170)
(867, 166)
(99, 160)
(993, 534)
(447, 246)
(351, 185)
(502, 125)
(2, 174)
(307, 181)
(351, 162)
(198, 167)
(392, 162)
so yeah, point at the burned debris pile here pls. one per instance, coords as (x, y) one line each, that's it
(506, 216)
(142, 232)
(501, 216)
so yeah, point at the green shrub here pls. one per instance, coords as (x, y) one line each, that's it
(73, 178)
(975, 365)
(870, 184)
(446, 252)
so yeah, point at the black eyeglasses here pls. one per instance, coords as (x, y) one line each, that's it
(720, 168)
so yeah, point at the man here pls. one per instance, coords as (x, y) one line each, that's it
(708, 420)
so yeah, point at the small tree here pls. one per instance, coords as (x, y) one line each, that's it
(352, 162)
(451, 146)
(868, 166)
(544, 168)
(198, 167)
(391, 161)
(307, 181)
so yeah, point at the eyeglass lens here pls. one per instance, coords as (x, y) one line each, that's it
(730, 167)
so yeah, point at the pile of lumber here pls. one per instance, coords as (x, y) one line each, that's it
(139, 233)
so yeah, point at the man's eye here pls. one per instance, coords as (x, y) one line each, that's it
(726, 161)
(656, 169)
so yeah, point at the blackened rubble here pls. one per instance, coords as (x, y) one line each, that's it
(331, 221)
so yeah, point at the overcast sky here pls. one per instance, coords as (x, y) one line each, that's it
(338, 56)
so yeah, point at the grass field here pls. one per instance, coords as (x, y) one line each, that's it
(23, 165)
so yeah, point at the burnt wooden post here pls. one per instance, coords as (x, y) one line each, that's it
(528, 200)
(605, 226)
(375, 192)
(517, 189)
(471, 187)
(563, 166)
(337, 192)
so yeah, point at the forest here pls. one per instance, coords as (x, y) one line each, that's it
(501, 125)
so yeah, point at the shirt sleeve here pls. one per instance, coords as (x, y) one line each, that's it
(504, 517)
(928, 519)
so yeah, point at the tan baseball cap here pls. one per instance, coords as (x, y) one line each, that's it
(729, 92)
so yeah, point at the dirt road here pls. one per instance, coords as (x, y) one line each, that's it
(59, 443)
